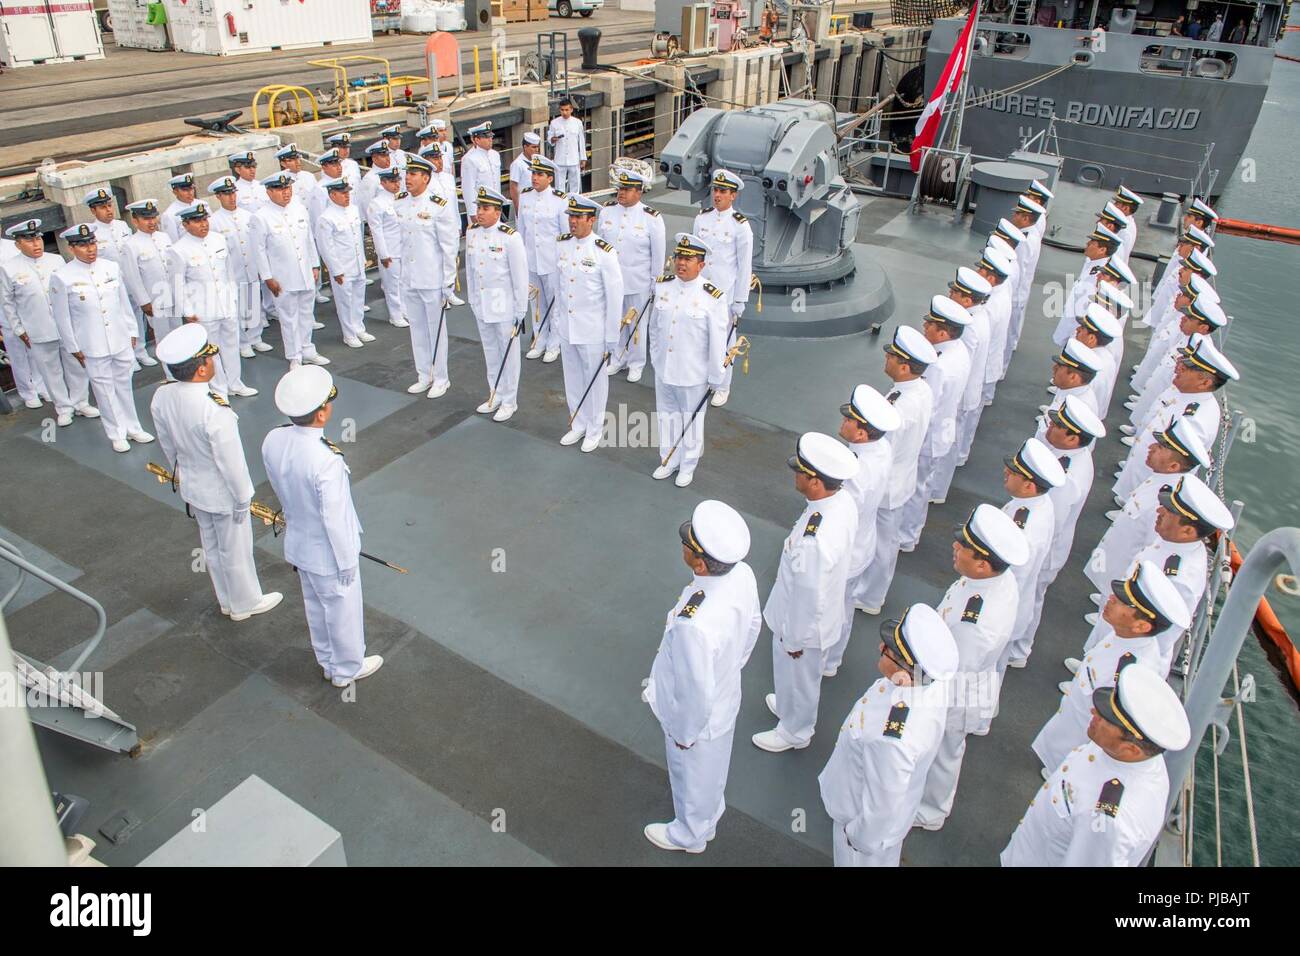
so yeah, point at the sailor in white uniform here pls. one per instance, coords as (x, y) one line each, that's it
(1028, 476)
(1074, 369)
(906, 358)
(444, 180)
(728, 234)
(27, 379)
(97, 326)
(184, 191)
(1113, 274)
(1026, 215)
(1105, 804)
(235, 225)
(942, 328)
(448, 149)
(249, 191)
(342, 144)
(1099, 248)
(289, 264)
(386, 233)
(111, 235)
(1097, 329)
(1192, 238)
(1194, 284)
(688, 328)
(207, 287)
(871, 786)
(1139, 609)
(694, 685)
(307, 191)
(521, 173)
(343, 255)
(568, 139)
(1201, 370)
(542, 219)
(866, 422)
(1127, 202)
(322, 534)
(588, 309)
(380, 164)
(30, 329)
(805, 606)
(392, 137)
(1201, 215)
(1200, 317)
(430, 235)
(980, 609)
(979, 339)
(496, 280)
(637, 232)
(1112, 219)
(1175, 451)
(479, 166)
(145, 264)
(198, 434)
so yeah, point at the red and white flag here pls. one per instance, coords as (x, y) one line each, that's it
(927, 126)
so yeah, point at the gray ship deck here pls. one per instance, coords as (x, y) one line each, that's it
(514, 691)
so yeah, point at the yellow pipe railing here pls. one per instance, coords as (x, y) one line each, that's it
(273, 93)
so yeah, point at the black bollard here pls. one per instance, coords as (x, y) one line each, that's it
(589, 39)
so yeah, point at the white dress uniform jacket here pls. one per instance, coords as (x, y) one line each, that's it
(386, 233)
(283, 246)
(637, 233)
(1036, 517)
(731, 244)
(1076, 302)
(145, 269)
(478, 167)
(111, 237)
(205, 278)
(25, 297)
(871, 785)
(1132, 530)
(496, 279)
(338, 240)
(430, 236)
(170, 220)
(1200, 409)
(250, 194)
(589, 284)
(1092, 811)
(91, 308)
(572, 146)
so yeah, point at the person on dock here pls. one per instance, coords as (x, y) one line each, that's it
(568, 139)
(479, 166)
(728, 233)
(386, 234)
(694, 688)
(805, 606)
(289, 265)
(1193, 237)
(1025, 217)
(542, 219)
(521, 173)
(307, 191)
(381, 164)
(637, 232)
(198, 434)
(496, 280)
(1127, 202)
(871, 785)
(341, 143)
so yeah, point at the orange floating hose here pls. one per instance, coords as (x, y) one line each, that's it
(1257, 230)
(1269, 627)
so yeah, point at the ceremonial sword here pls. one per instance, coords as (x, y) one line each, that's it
(741, 349)
(636, 325)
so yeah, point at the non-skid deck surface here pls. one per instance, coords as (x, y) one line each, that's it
(506, 725)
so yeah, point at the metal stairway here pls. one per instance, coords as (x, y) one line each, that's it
(59, 700)
(1022, 14)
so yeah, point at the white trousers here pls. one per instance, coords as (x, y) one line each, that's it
(674, 405)
(228, 553)
(349, 299)
(698, 776)
(496, 338)
(250, 316)
(880, 573)
(65, 380)
(424, 312)
(111, 377)
(798, 685)
(26, 378)
(941, 781)
(929, 470)
(224, 334)
(296, 314)
(583, 366)
(846, 855)
(968, 422)
(730, 369)
(141, 336)
(834, 656)
(629, 351)
(161, 325)
(335, 620)
(391, 280)
(568, 179)
(545, 284)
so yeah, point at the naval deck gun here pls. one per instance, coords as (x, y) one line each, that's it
(803, 214)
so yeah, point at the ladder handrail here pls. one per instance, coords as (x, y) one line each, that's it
(13, 555)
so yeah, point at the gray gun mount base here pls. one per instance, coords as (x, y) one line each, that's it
(819, 310)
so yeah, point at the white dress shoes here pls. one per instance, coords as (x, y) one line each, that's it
(368, 667)
(269, 601)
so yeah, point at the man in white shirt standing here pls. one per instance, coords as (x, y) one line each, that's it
(235, 226)
(97, 326)
(637, 232)
(343, 256)
(392, 136)
(729, 235)
(184, 191)
(289, 264)
(249, 191)
(386, 233)
(341, 143)
(568, 139)
(306, 190)
(380, 163)
(521, 174)
(496, 279)
(111, 235)
(146, 269)
(805, 606)
(694, 687)
(542, 219)
(199, 437)
(479, 166)
(28, 319)
(27, 378)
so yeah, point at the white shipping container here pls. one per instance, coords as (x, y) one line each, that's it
(131, 28)
(48, 31)
(225, 27)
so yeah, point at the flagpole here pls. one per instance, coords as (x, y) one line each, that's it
(966, 77)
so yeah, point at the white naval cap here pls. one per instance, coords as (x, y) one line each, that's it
(996, 260)
(630, 178)
(970, 282)
(920, 637)
(180, 345)
(725, 179)
(1113, 297)
(1074, 354)
(339, 139)
(487, 196)
(1149, 591)
(868, 407)
(1037, 188)
(78, 235)
(1197, 237)
(330, 155)
(181, 181)
(1036, 462)
(426, 132)
(336, 184)
(947, 312)
(1097, 318)
(288, 151)
(1198, 286)
(911, 346)
(1183, 437)
(304, 389)
(142, 208)
(1199, 262)
(1207, 310)
(281, 180)
(1205, 355)
(1124, 194)
(532, 139)
(1028, 204)
(1199, 207)
(821, 456)
(1117, 268)
(97, 197)
(580, 205)
(1008, 230)
(439, 123)
(378, 146)
(1112, 213)
(1102, 234)
(1143, 703)
(1193, 500)
(195, 210)
(688, 245)
(543, 164)
(1076, 417)
(999, 244)
(991, 533)
(482, 129)
(222, 184)
(27, 229)
(716, 530)
(388, 132)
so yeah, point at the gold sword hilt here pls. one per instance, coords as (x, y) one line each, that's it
(739, 350)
